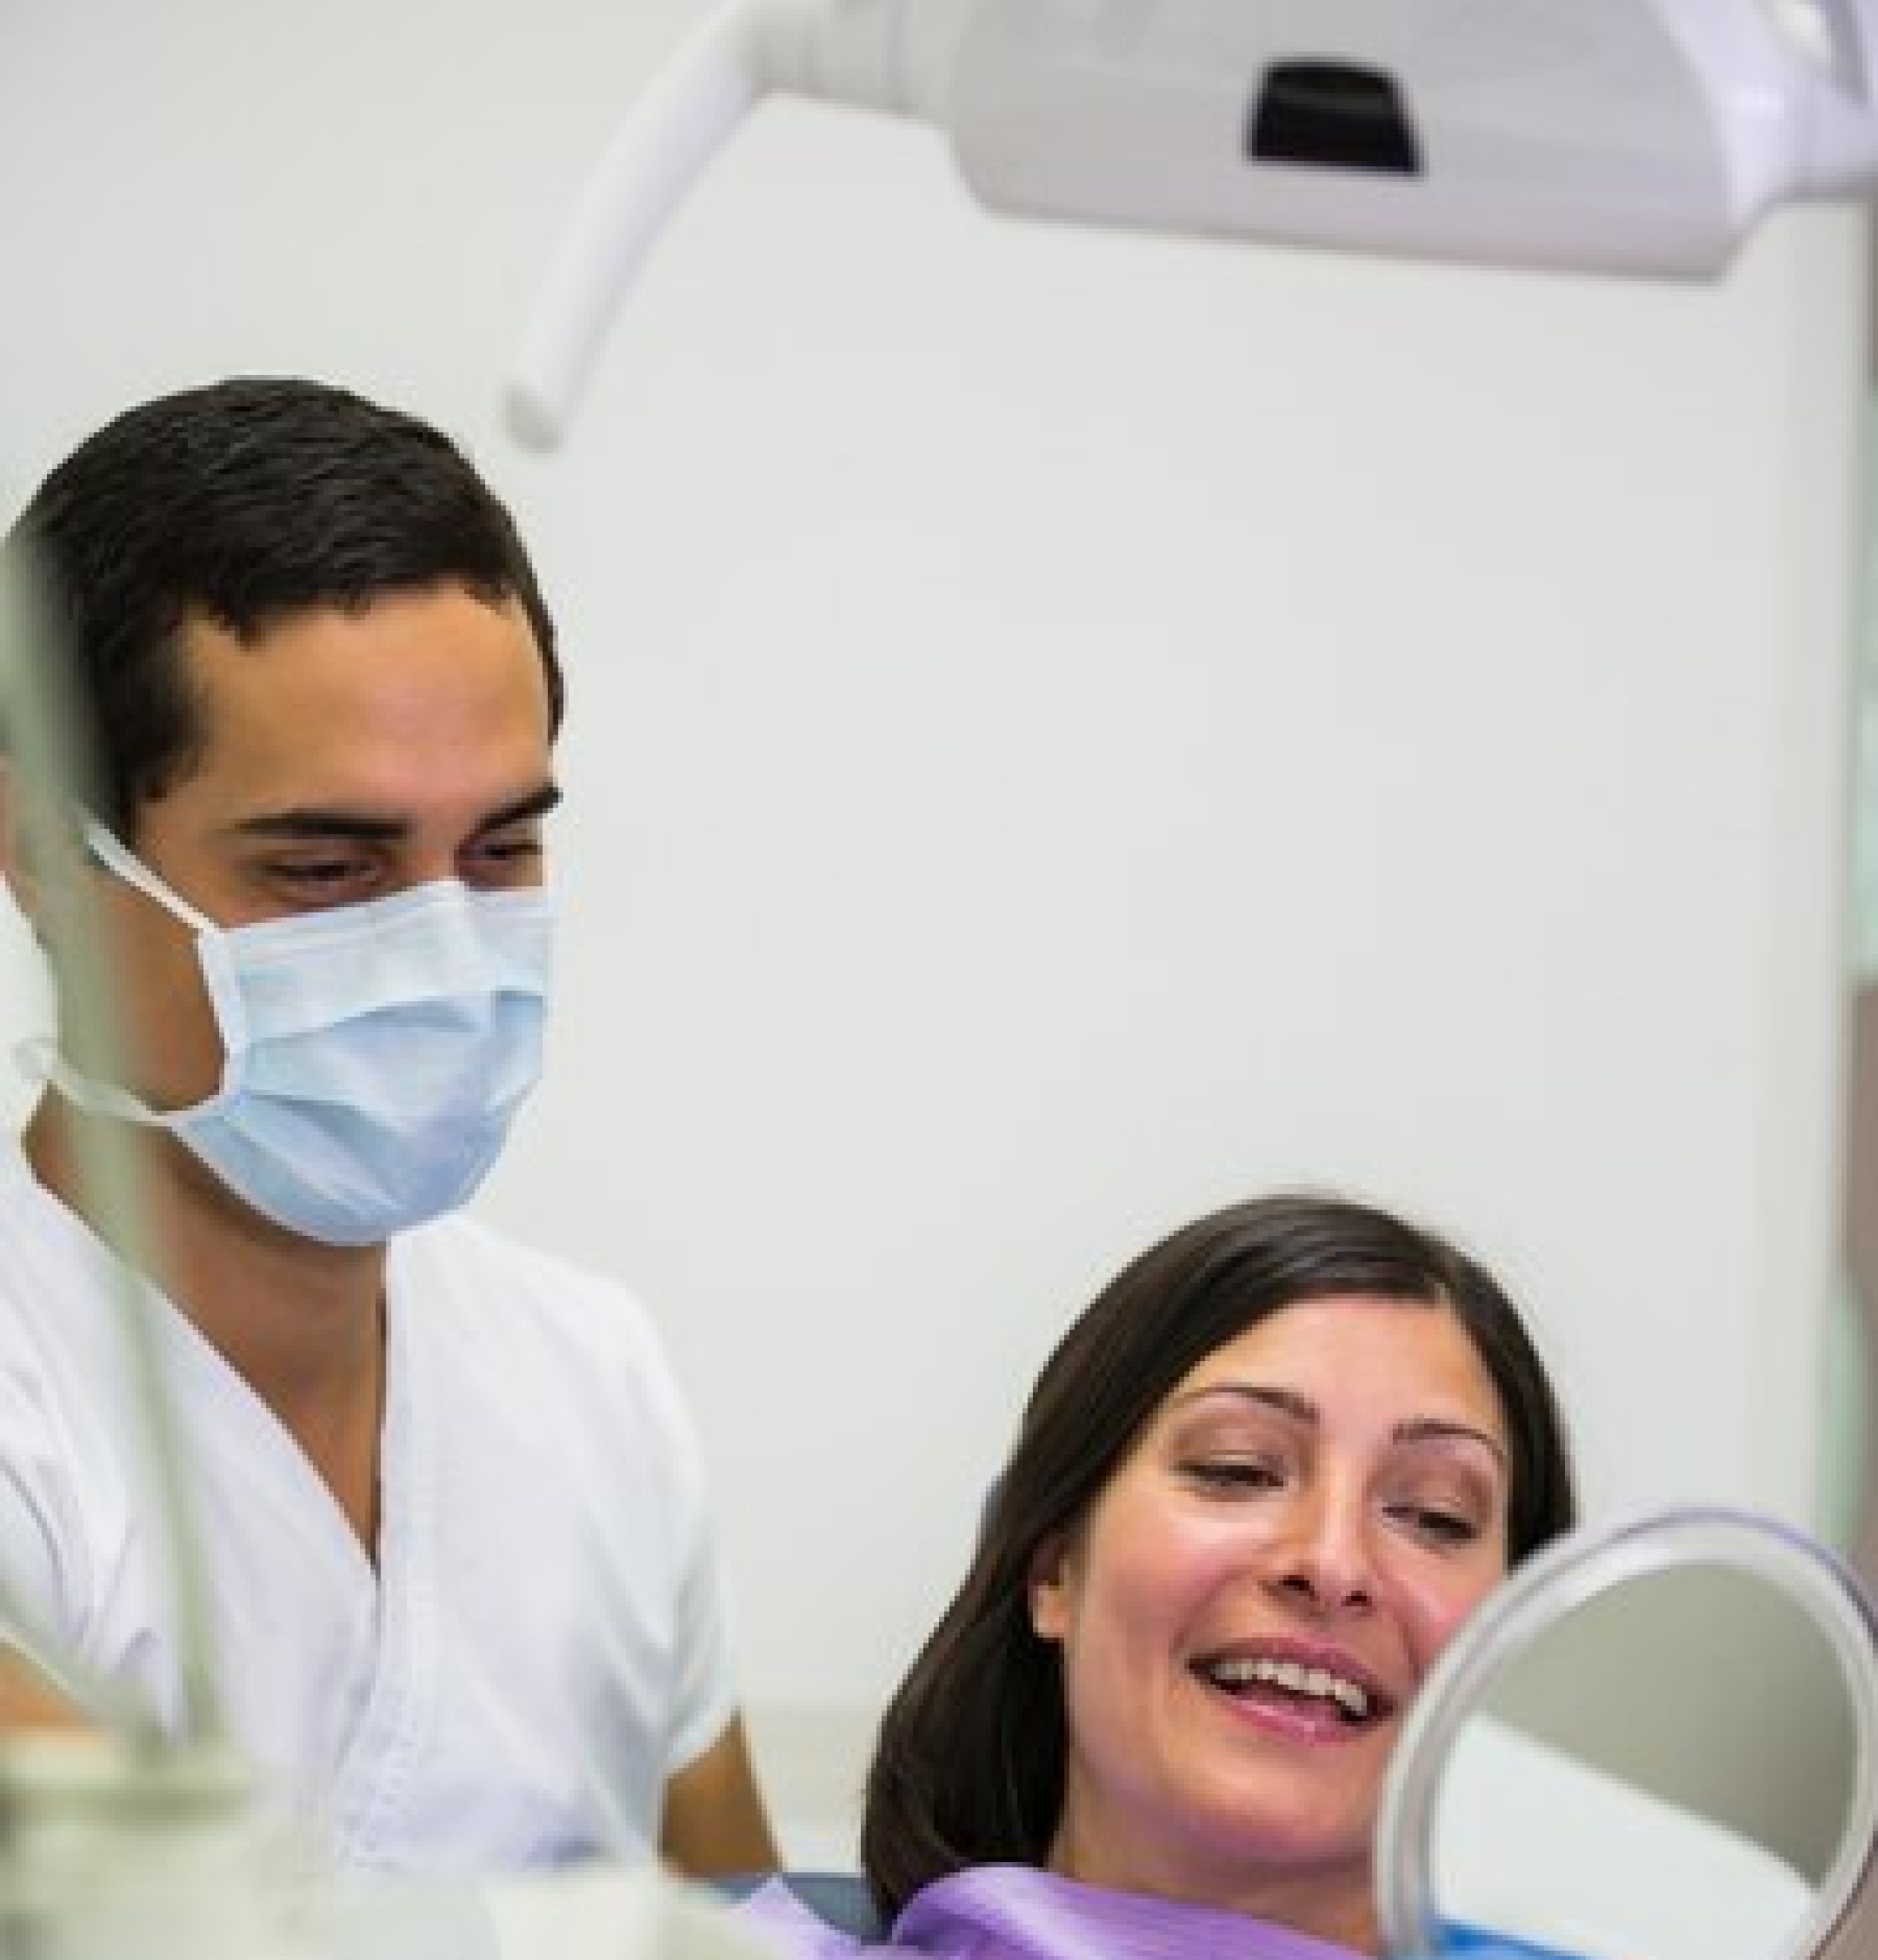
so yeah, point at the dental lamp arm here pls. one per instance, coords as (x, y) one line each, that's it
(1837, 142)
(694, 104)
(885, 55)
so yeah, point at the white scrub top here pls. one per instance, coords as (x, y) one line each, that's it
(541, 1644)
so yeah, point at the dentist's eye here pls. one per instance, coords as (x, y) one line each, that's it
(508, 858)
(315, 872)
(328, 878)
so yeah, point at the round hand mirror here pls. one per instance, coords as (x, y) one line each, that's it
(1658, 1740)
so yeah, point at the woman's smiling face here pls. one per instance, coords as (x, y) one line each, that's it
(1253, 1599)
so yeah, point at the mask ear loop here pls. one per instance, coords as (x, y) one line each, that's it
(109, 852)
(225, 998)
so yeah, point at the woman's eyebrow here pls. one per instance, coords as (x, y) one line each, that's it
(1300, 1408)
(1441, 1429)
(1285, 1401)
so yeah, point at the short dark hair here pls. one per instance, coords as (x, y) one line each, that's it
(970, 1763)
(245, 502)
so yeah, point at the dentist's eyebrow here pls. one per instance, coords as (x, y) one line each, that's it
(1301, 1409)
(313, 824)
(537, 802)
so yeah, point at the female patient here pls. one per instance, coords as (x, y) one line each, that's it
(1256, 1489)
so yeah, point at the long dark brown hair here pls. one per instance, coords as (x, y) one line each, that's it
(970, 1763)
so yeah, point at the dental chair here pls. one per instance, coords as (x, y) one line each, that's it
(1645, 1878)
(842, 1898)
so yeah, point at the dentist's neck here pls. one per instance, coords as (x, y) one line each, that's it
(302, 1323)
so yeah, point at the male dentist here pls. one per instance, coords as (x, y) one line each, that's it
(453, 1514)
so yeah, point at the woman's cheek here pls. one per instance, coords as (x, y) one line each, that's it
(1435, 1608)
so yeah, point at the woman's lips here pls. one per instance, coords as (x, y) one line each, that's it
(1303, 1690)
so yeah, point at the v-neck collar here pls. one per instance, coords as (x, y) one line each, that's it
(396, 1596)
(393, 1604)
(187, 1352)
(375, 1770)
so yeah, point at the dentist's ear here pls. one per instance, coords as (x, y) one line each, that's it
(19, 858)
(40, 856)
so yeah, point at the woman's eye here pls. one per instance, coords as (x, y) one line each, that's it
(1431, 1522)
(1236, 1474)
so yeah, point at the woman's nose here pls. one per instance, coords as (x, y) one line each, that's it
(1325, 1560)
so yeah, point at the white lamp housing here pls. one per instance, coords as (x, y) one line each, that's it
(1629, 136)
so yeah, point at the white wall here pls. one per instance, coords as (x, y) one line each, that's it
(1066, 730)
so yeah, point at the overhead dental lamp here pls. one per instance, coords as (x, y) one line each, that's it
(1642, 137)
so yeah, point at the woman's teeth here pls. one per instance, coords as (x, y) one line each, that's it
(1294, 1678)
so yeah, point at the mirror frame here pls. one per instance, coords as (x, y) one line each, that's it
(1583, 1565)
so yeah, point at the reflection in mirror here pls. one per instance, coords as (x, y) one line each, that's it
(1659, 1742)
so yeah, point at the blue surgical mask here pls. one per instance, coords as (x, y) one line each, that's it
(375, 1053)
